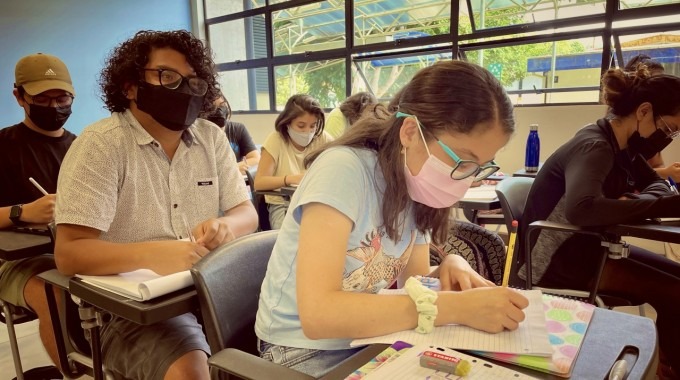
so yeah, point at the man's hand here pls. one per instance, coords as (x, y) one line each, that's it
(212, 233)
(39, 211)
(179, 256)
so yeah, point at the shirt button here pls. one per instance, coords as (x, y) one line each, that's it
(174, 206)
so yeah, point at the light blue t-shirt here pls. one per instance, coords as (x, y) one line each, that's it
(350, 181)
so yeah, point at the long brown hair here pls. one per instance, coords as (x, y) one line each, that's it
(449, 96)
(298, 105)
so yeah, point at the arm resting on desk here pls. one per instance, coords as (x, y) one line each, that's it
(247, 366)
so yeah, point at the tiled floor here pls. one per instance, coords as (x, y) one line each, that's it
(30, 347)
(33, 354)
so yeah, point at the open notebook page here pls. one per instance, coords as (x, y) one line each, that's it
(531, 338)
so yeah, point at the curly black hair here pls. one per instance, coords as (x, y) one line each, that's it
(125, 62)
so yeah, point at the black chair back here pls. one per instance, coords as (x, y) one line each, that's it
(512, 193)
(228, 282)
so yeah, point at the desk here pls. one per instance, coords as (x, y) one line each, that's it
(16, 246)
(524, 173)
(660, 231)
(472, 206)
(143, 313)
(608, 333)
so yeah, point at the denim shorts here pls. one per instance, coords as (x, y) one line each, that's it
(313, 362)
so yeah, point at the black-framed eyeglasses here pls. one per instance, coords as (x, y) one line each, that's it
(463, 168)
(171, 79)
(671, 133)
(46, 101)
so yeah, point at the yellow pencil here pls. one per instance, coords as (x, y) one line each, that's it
(508, 256)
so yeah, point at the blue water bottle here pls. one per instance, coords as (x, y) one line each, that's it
(533, 150)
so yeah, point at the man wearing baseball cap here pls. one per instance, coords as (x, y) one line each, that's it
(34, 148)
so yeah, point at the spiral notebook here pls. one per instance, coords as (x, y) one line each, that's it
(530, 338)
(567, 321)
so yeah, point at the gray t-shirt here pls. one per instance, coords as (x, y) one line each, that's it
(117, 179)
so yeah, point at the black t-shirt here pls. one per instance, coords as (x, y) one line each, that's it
(25, 153)
(239, 139)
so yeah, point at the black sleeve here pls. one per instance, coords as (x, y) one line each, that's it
(244, 141)
(586, 204)
(650, 185)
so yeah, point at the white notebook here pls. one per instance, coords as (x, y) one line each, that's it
(531, 338)
(142, 284)
(481, 193)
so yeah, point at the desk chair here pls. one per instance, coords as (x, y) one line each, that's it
(259, 203)
(228, 282)
(512, 193)
(483, 249)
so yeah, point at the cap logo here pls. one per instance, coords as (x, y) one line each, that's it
(50, 72)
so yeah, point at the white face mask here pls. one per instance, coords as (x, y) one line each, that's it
(301, 138)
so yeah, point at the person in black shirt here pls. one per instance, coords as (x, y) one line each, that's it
(247, 154)
(34, 148)
(601, 177)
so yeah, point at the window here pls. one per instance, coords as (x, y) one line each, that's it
(543, 52)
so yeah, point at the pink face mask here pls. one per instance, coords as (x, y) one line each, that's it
(433, 186)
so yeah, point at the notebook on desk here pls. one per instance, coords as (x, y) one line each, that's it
(142, 284)
(481, 193)
(531, 338)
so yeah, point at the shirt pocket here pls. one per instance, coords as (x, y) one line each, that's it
(205, 197)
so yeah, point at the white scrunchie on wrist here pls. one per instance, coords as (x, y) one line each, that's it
(424, 299)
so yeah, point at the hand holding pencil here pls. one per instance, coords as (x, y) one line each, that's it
(41, 210)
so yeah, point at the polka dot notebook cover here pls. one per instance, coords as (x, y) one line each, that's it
(567, 321)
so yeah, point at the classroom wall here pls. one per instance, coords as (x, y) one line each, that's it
(556, 124)
(81, 33)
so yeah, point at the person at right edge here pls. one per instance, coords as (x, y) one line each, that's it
(601, 177)
(671, 171)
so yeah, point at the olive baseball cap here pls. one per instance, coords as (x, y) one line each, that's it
(40, 72)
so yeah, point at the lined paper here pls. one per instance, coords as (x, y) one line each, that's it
(531, 338)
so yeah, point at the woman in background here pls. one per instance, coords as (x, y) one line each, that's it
(299, 129)
(341, 118)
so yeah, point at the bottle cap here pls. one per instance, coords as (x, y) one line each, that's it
(533, 127)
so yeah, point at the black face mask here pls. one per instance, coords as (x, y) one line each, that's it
(48, 118)
(219, 117)
(174, 109)
(648, 147)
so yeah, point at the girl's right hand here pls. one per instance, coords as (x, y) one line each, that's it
(487, 309)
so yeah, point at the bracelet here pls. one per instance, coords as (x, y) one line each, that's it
(424, 299)
(285, 183)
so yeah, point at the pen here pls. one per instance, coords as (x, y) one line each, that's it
(36, 184)
(188, 227)
(674, 186)
(511, 251)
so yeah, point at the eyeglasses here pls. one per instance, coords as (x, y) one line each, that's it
(463, 168)
(670, 132)
(171, 79)
(46, 101)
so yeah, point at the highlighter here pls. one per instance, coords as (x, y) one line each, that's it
(445, 363)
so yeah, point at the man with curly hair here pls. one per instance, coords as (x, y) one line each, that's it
(151, 187)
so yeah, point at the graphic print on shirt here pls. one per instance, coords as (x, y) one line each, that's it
(379, 268)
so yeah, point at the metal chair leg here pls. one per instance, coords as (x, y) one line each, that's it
(13, 340)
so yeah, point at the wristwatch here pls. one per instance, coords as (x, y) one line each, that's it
(15, 214)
